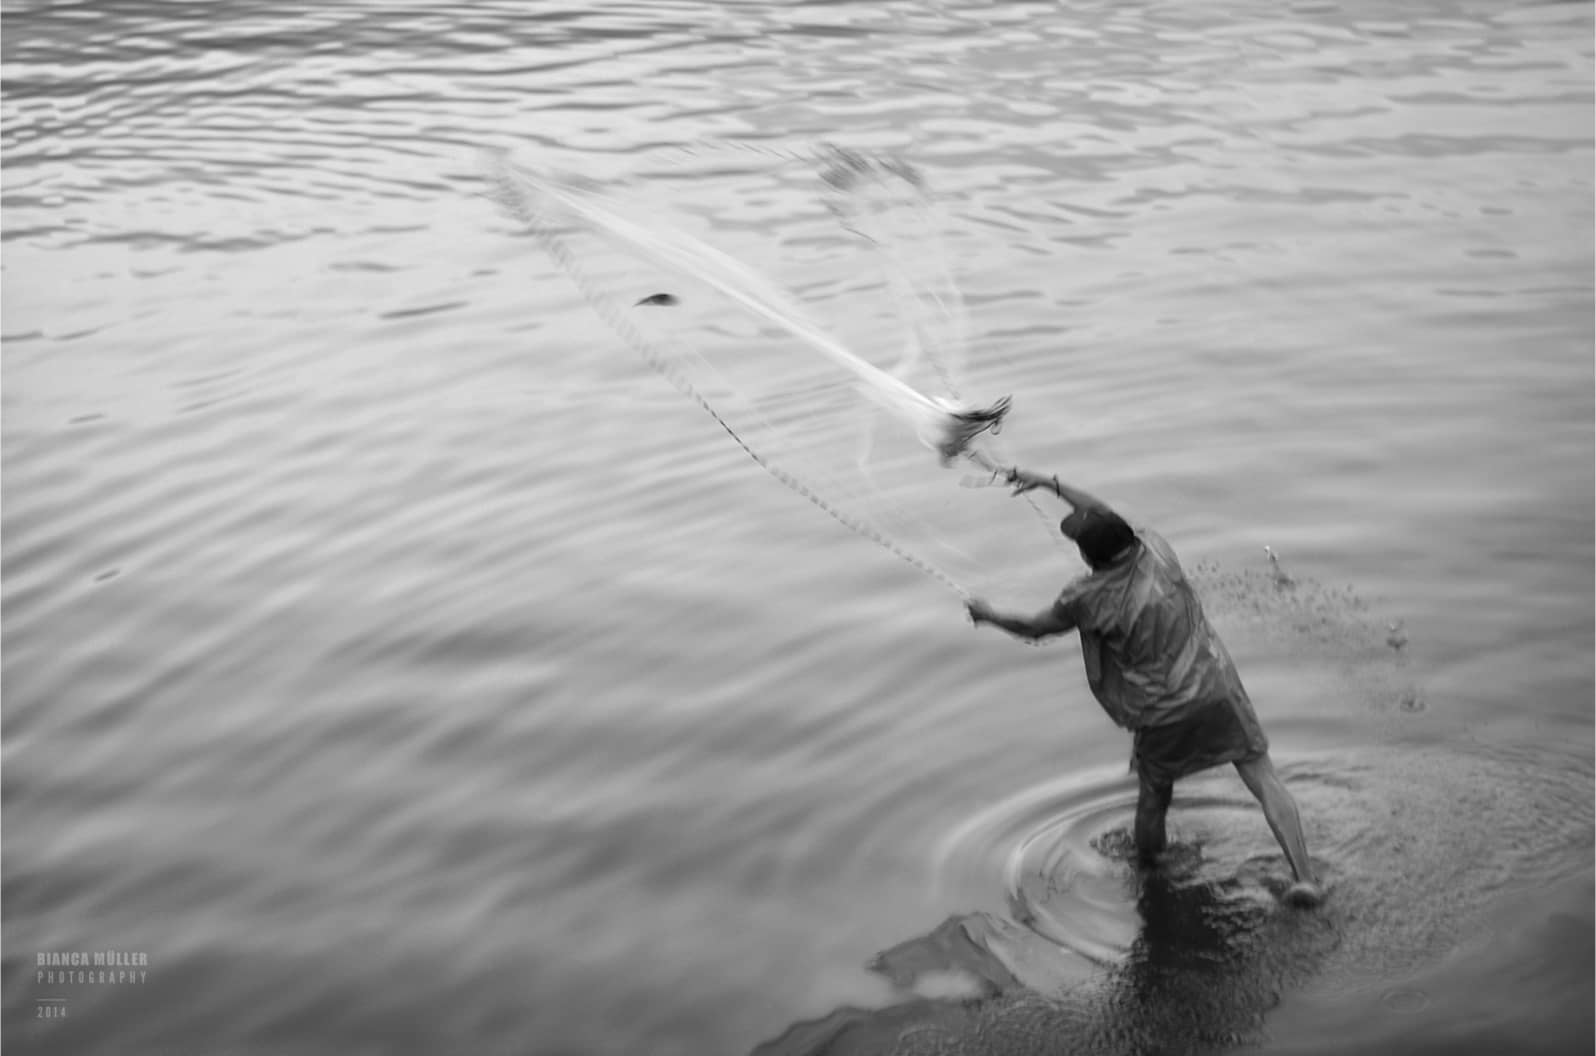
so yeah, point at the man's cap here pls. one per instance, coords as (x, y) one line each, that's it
(1100, 533)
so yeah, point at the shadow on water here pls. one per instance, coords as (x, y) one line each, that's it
(1211, 959)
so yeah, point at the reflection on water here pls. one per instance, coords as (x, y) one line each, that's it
(1207, 948)
(1209, 960)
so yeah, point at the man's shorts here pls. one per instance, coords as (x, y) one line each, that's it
(1215, 732)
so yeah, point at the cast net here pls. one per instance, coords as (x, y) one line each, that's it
(866, 437)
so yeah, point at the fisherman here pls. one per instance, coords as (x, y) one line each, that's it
(1159, 670)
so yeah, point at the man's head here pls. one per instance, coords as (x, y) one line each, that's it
(1101, 534)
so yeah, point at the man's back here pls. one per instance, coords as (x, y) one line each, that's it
(1150, 654)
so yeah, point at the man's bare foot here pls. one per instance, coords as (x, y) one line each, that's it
(1304, 894)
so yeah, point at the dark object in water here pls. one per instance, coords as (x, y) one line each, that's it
(662, 299)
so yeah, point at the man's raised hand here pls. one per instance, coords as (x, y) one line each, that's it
(1024, 480)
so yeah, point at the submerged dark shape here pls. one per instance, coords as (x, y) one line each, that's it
(662, 299)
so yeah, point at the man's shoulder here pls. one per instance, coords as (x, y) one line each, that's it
(1093, 595)
(1156, 544)
(1079, 587)
(1151, 535)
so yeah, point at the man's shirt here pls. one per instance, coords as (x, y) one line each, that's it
(1150, 654)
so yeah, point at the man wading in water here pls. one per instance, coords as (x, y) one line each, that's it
(1159, 671)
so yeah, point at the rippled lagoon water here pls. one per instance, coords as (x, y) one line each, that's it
(396, 665)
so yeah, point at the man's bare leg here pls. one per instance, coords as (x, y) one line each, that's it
(1152, 803)
(1280, 810)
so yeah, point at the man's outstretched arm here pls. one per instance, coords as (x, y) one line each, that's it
(1056, 619)
(1024, 480)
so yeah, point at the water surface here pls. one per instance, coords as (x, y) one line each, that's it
(401, 666)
